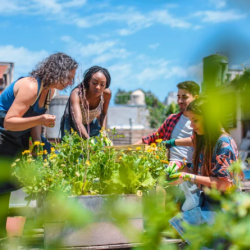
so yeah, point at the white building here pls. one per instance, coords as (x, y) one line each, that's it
(133, 115)
(172, 97)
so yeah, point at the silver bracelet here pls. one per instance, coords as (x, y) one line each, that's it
(193, 177)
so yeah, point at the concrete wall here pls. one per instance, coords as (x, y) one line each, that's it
(119, 116)
(57, 107)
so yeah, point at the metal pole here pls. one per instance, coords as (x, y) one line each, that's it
(130, 133)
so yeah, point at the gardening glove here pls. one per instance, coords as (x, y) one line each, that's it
(174, 166)
(169, 143)
(171, 169)
(178, 178)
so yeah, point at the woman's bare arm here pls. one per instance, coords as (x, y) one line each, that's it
(77, 113)
(188, 142)
(26, 94)
(213, 182)
(103, 116)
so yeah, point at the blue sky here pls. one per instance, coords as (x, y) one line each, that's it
(147, 44)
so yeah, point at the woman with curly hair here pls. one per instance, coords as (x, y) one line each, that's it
(89, 100)
(22, 112)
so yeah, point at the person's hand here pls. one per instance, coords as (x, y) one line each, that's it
(48, 120)
(178, 178)
(174, 166)
(169, 143)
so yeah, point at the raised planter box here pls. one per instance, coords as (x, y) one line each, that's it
(101, 232)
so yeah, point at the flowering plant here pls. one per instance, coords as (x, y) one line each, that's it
(82, 167)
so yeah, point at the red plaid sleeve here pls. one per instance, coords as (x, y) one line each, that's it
(164, 131)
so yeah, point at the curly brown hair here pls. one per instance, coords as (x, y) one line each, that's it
(54, 68)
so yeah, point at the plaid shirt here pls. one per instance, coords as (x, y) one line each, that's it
(165, 130)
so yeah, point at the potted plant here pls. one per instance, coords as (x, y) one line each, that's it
(90, 174)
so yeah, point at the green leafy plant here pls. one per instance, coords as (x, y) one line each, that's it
(87, 167)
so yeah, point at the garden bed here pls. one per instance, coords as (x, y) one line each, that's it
(103, 230)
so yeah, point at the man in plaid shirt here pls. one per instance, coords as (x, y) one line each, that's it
(177, 126)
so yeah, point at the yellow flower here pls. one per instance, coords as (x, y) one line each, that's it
(102, 129)
(108, 130)
(77, 160)
(25, 152)
(139, 193)
(13, 164)
(72, 130)
(120, 158)
(184, 161)
(37, 143)
(41, 153)
(157, 134)
(52, 156)
(140, 156)
(166, 162)
(87, 163)
(52, 149)
(46, 164)
(157, 157)
(45, 151)
(45, 160)
(42, 144)
(129, 148)
(138, 148)
(17, 160)
(149, 150)
(153, 145)
(158, 140)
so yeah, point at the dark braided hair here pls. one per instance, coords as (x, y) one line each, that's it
(54, 69)
(94, 69)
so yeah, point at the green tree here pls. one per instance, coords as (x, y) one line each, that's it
(122, 96)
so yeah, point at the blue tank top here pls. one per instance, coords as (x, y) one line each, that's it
(7, 98)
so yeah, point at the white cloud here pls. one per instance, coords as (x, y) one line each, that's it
(119, 54)
(122, 75)
(75, 3)
(50, 6)
(219, 16)
(163, 70)
(68, 12)
(153, 46)
(11, 6)
(197, 27)
(218, 3)
(25, 60)
(94, 37)
(136, 21)
(42, 7)
(97, 52)
(164, 17)
(91, 49)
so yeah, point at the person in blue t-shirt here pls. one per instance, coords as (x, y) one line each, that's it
(22, 112)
